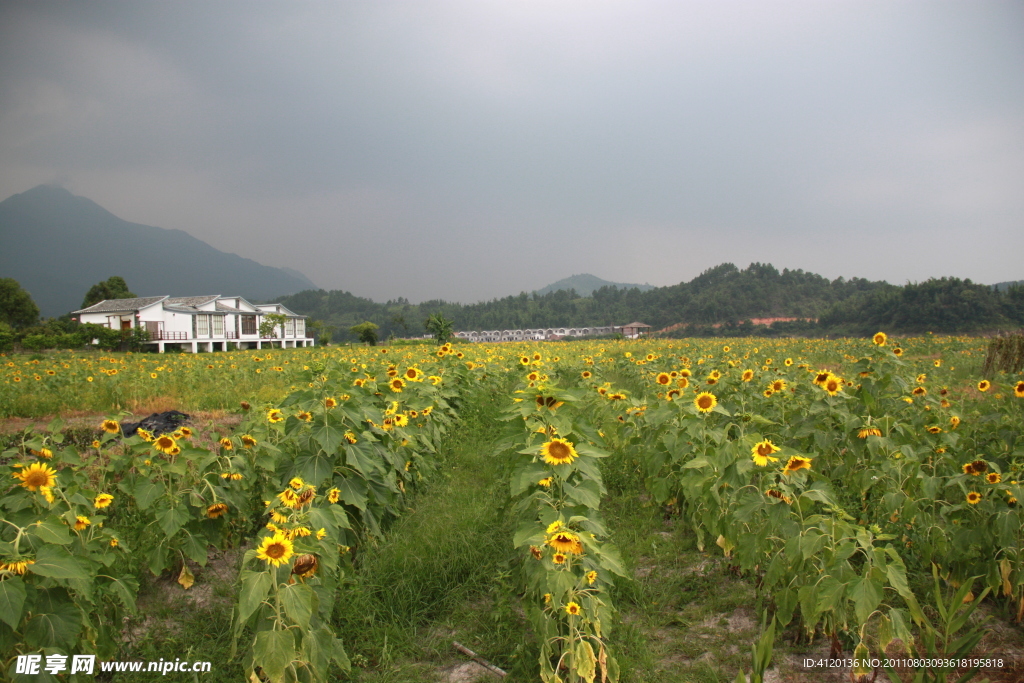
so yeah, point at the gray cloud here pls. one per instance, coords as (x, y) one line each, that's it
(469, 150)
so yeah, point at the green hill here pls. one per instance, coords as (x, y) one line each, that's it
(586, 284)
(58, 245)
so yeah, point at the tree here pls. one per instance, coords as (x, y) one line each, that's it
(112, 288)
(441, 328)
(16, 306)
(366, 332)
(271, 321)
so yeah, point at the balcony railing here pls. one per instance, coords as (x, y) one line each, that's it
(166, 335)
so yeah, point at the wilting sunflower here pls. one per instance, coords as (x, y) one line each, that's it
(705, 402)
(573, 609)
(797, 462)
(110, 426)
(248, 441)
(984, 385)
(536, 552)
(869, 431)
(275, 550)
(37, 475)
(216, 510)
(165, 444)
(17, 567)
(973, 497)
(102, 501)
(772, 493)
(979, 466)
(558, 452)
(305, 566)
(879, 339)
(762, 453)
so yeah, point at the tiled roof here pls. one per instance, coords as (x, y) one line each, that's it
(191, 300)
(115, 305)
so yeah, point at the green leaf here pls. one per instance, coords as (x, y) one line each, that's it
(585, 493)
(527, 532)
(866, 596)
(255, 588)
(329, 433)
(56, 621)
(525, 478)
(696, 463)
(353, 491)
(298, 603)
(52, 530)
(57, 563)
(146, 492)
(274, 651)
(12, 600)
(125, 588)
(314, 467)
(172, 519)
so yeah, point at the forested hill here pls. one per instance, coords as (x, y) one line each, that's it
(721, 294)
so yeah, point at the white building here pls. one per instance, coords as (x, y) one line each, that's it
(198, 323)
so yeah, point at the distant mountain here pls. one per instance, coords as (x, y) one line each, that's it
(1003, 286)
(586, 284)
(58, 245)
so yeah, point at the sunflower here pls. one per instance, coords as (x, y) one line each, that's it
(591, 577)
(586, 374)
(663, 378)
(954, 421)
(973, 497)
(558, 452)
(350, 437)
(275, 550)
(747, 375)
(821, 376)
(762, 453)
(993, 477)
(304, 415)
(110, 426)
(165, 444)
(768, 393)
(274, 415)
(967, 468)
(248, 441)
(81, 522)
(559, 558)
(144, 434)
(979, 466)
(778, 385)
(216, 510)
(17, 567)
(673, 394)
(869, 431)
(984, 385)
(705, 402)
(330, 402)
(289, 499)
(897, 352)
(296, 483)
(305, 566)
(565, 541)
(879, 339)
(226, 444)
(545, 482)
(833, 385)
(102, 501)
(573, 609)
(536, 552)
(414, 374)
(37, 475)
(797, 462)
(397, 384)
(772, 493)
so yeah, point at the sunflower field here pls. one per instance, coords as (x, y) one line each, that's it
(866, 490)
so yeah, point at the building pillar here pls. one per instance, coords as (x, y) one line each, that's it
(195, 346)
(160, 347)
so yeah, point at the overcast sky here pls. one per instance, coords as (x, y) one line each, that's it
(468, 150)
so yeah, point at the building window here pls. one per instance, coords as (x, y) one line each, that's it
(290, 327)
(202, 326)
(300, 327)
(218, 326)
(248, 324)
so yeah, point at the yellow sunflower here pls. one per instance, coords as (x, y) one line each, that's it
(37, 475)
(973, 497)
(248, 441)
(102, 501)
(397, 384)
(216, 510)
(565, 541)
(1018, 390)
(165, 444)
(111, 426)
(879, 339)
(274, 415)
(747, 375)
(797, 462)
(558, 452)
(984, 385)
(705, 402)
(762, 453)
(573, 609)
(275, 550)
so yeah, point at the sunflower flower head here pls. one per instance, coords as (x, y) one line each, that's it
(558, 452)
